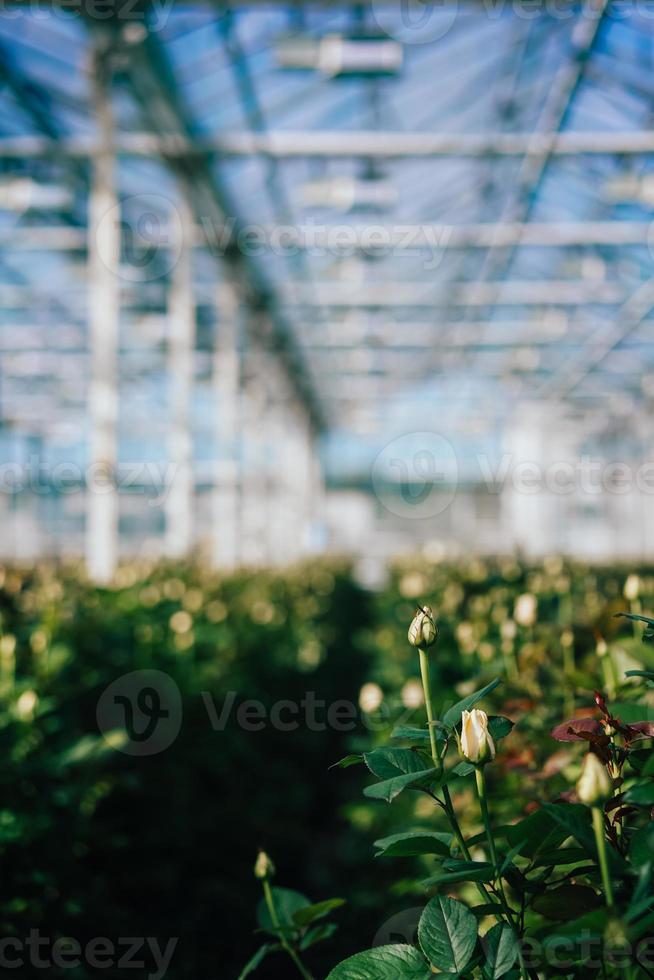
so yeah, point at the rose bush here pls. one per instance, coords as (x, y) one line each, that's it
(563, 890)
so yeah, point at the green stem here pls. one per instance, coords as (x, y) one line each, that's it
(274, 918)
(426, 686)
(600, 840)
(438, 764)
(510, 661)
(568, 671)
(635, 608)
(609, 674)
(483, 806)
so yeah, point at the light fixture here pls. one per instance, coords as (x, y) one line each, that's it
(349, 193)
(20, 194)
(631, 189)
(337, 55)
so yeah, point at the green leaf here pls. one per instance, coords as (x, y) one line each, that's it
(349, 760)
(388, 762)
(419, 734)
(501, 947)
(414, 842)
(629, 711)
(499, 727)
(258, 958)
(648, 674)
(453, 715)
(641, 849)
(574, 819)
(642, 794)
(590, 926)
(390, 788)
(481, 911)
(636, 618)
(536, 832)
(411, 734)
(306, 916)
(453, 870)
(447, 933)
(567, 902)
(287, 904)
(399, 768)
(318, 934)
(641, 927)
(458, 771)
(560, 856)
(641, 898)
(398, 962)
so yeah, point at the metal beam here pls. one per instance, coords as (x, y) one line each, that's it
(35, 102)
(179, 507)
(153, 82)
(377, 236)
(104, 315)
(523, 192)
(335, 143)
(372, 294)
(604, 340)
(226, 381)
(508, 293)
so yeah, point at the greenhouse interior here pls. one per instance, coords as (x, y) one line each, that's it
(327, 489)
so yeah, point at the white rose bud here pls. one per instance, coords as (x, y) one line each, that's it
(526, 608)
(263, 868)
(594, 784)
(423, 630)
(631, 587)
(477, 744)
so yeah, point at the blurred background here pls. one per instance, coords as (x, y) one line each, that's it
(308, 312)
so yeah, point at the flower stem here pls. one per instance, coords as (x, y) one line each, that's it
(274, 918)
(510, 661)
(600, 840)
(438, 764)
(608, 672)
(635, 608)
(483, 806)
(426, 686)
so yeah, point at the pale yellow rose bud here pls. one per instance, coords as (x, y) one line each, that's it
(631, 587)
(594, 784)
(526, 609)
(423, 630)
(263, 868)
(477, 744)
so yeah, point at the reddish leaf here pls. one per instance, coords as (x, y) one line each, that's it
(612, 804)
(624, 811)
(570, 730)
(643, 729)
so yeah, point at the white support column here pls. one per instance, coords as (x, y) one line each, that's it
(312, 489)
(279, 529)
(181, 337)
(253, 539)
(104, 316)
(225, 549)
(290, 476)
